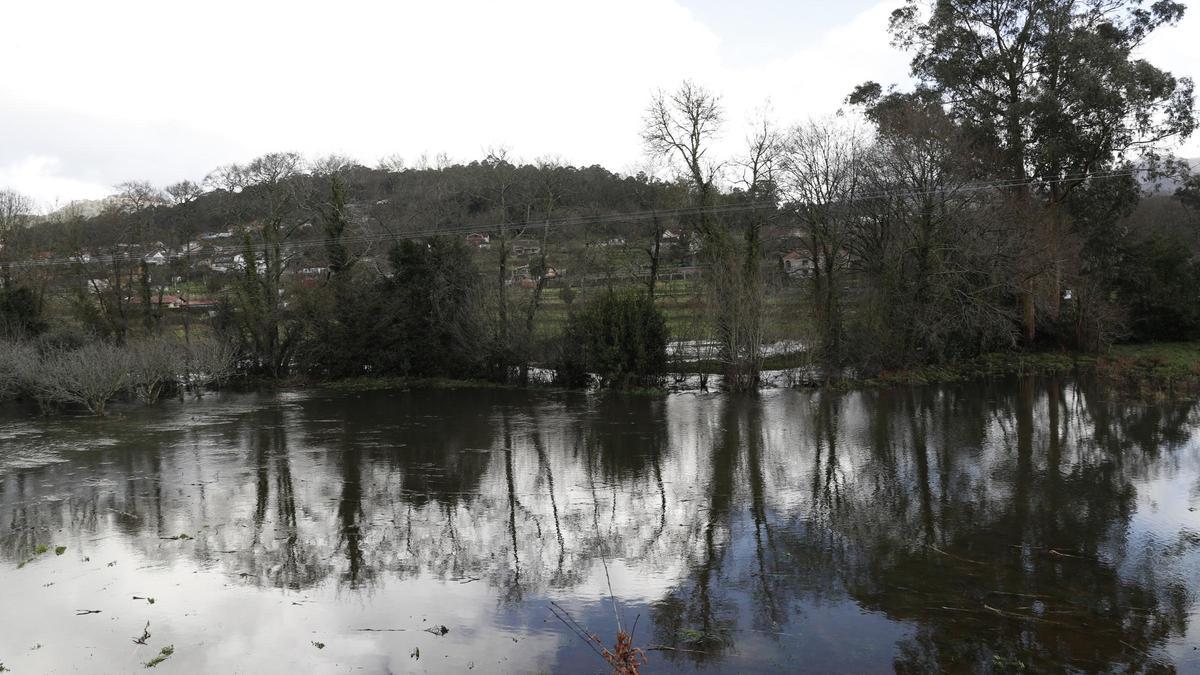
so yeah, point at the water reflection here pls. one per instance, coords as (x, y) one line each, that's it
(1030, 524)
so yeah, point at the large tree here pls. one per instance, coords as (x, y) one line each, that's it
(682, 127)
(1057, 88)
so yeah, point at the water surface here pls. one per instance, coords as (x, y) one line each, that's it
(1039, 524)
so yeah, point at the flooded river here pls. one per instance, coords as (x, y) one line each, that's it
(1036, 524)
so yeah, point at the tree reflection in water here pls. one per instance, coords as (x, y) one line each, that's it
(962, 528)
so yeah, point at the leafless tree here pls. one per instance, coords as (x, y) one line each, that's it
(821, 177)
(230, 178)
(260, 288)
(330, 165)
(392, 163)
(183, 192)
(16, 210)
(682, 126)
(137, 195)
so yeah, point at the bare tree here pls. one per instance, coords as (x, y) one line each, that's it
(821, 175)
(330, 165)
(230, 178)
(16, 211)
(272, 178)
(137, 195)
(682, 126)
(183, 192)
(392, 163)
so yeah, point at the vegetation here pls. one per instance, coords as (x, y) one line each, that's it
(620, 337)
(94, 373)
(995, 207)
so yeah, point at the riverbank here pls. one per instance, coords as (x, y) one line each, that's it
(1154, 369)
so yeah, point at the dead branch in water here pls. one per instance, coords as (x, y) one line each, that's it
(624, 658)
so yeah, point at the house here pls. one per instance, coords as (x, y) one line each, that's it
(183, 302)
(211, 236)
(526, 247)
(797, 264)
(156, 258)
(672, 236)
(605, 243)
(478, 240)
(239, 263)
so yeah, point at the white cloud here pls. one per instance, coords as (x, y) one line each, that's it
(1175, 49)
(41, 178)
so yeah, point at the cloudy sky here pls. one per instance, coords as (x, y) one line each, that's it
(95, 93)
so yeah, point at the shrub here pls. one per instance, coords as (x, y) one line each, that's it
(90, 376)
(620, 337)
(12, 355)
(154, 367)
(209, 363)
(20, 312)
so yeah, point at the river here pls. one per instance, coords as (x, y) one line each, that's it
(1038, 523)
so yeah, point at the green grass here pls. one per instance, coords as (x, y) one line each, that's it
(1163, 363)
(1146, 368)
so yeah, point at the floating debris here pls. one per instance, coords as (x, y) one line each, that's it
(318, 645)
(145, 635)
(163, 654)
(437, 630)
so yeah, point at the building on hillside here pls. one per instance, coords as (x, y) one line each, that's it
(673, 236)
(479, 240)
(526, 247)
(796, 264)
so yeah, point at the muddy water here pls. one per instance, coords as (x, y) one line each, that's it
(1036, 524)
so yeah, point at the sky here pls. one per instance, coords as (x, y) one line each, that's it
(98, 93)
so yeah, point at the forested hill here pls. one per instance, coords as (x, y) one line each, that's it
(455, 199)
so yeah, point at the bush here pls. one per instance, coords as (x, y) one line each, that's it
(1159, 284)
(20, 313)
(12, 355)
(90, 376)
(154, 366)
(209, 363)
(620, 337)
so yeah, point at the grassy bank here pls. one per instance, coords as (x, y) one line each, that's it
(1149, 369)
(1162, 367)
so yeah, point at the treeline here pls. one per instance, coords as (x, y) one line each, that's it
(997, 205)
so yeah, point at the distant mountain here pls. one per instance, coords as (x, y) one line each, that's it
(80, 208)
